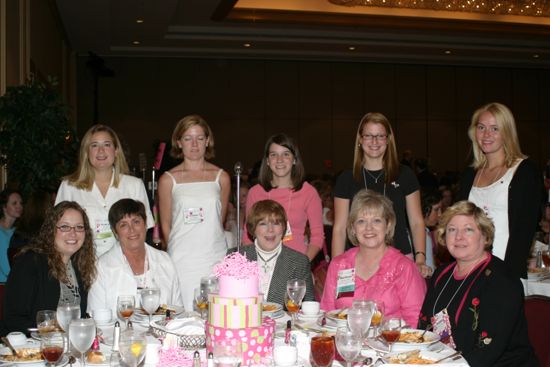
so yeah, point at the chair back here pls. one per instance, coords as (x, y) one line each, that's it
(2, 288)
(537, 312)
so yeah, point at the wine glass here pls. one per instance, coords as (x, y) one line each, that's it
(391, 330)
(348, 344)
(132, 347)
(82, 333)
(377, 316)
(150, 301)
(125, 306)
(322, 351)
(359, 320)
(227, 352)
(52, 346)
(46, 321)
(295, 290)
(201, 301)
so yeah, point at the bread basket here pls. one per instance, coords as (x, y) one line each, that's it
(188, 342)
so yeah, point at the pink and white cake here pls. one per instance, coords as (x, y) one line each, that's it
(235, 313)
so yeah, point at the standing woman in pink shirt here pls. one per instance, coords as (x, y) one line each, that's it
(373, 269)
(281, 179)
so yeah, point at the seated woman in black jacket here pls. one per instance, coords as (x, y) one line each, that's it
(58, 266)
(474, 303)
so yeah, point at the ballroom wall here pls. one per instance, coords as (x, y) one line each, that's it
(318, 103)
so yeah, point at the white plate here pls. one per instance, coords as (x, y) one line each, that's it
(275, 315)
(429, 337)
(377, 345)
(536, 275)
(276, 308)
(425, 354)
(334, 320)
(301, 315)
(64, 360)
(177, 310)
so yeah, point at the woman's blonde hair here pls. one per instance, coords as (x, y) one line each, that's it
(507, 129)
(182, 126)
(84, 176)
(467, 208)
(369, 201)
(84, 260)
(391, 162)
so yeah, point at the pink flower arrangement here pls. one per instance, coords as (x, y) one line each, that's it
(236, 265)
(176, 357)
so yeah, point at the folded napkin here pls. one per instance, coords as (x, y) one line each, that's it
(186, 326)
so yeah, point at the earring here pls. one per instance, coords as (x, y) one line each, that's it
(358, 144)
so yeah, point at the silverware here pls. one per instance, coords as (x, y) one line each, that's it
(8, 344)
(454, 355)
(72, 360)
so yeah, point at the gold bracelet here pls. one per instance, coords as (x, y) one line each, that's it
(420, 252)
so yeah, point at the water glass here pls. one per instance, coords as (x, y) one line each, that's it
(82, 333)
(46, 321)
(227, 353)
(348, 345)
(359, 320)
(322, 351)
(132, 347)
(66, 312)
(150, 302)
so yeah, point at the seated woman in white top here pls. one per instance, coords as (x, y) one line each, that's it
(133, 265)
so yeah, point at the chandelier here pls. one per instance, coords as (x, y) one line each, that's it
(538, 8)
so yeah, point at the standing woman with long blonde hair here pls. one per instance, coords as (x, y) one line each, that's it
(193, 199)
(504, 183)
(376, 167)
(101, 180)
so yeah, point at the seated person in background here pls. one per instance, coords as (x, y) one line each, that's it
(266, 224)
(131, 264)
(431, 210)
(476, 294)
(58, 266)
(374, 270)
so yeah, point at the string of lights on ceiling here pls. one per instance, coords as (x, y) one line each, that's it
(538, 8)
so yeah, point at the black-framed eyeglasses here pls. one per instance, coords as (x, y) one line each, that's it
(379, 137)
(67, 228)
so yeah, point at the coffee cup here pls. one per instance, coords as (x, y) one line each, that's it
(285, 355)
(17, 338)
(102, 315)
(310, 308)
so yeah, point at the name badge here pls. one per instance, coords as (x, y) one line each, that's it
(345, 286)
(442, 327)
(193, 215)
(102, 229)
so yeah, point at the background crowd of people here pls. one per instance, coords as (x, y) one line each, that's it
(386, 225)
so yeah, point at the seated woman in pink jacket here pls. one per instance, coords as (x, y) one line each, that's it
(374, 270)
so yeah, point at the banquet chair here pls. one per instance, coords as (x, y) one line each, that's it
(537, 312)
(2, 287)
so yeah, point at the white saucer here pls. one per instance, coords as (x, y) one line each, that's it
(105, 324)
(310, 317)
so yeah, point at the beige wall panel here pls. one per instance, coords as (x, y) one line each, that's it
(525, 91)
(410, 92)
(46, 40)
(380, 90)
(316, 145)
(212, 88)
(498, 85)
(411, 134)
(544, 97)
(287, 126)
(440, 90)
(469, 91)
(12, 43)
(343, 143)
(347, 91)
(530, 139)
(315, 86)
(282, 90)
(247, 90)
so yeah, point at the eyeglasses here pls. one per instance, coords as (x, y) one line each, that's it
(379, 137)
(67, 228)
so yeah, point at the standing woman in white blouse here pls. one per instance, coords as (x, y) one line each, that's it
(504, 183)
(100, 180)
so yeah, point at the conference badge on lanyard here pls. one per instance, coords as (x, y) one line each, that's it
(288, 234)
(442, 327)
(345, 286)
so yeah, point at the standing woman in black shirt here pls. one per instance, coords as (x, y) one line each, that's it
(376, 167)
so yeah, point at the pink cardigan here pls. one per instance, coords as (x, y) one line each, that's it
(397, 283)
(300, 206)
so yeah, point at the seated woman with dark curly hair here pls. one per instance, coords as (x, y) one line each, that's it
(476, 303)
(59, 266)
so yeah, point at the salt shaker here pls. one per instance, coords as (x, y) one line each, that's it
(116, 336)
(538, 264)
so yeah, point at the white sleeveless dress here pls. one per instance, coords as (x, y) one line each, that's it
(197, 240)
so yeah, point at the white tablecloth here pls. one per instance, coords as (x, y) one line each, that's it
(536, 287)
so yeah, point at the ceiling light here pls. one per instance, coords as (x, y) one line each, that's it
(448, 52)
(536, 56)
(136, 42)
(351, 48)
(139, 20)
(247, 45)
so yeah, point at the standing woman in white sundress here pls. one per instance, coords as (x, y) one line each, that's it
(193, 199)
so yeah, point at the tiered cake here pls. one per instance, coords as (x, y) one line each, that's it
(235, 313)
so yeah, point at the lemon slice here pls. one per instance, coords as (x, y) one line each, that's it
(136, 349)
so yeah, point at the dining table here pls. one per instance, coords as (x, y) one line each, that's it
(539, 286)
(307, 329)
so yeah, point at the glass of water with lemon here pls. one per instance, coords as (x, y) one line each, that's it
(132, 347)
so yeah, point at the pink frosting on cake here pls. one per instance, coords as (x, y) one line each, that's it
(237, 276)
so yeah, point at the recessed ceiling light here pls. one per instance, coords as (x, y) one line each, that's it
(351, 48)
(139, 20)
(136, 42)
(247, 45)
(536, 56)
(448, 52)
